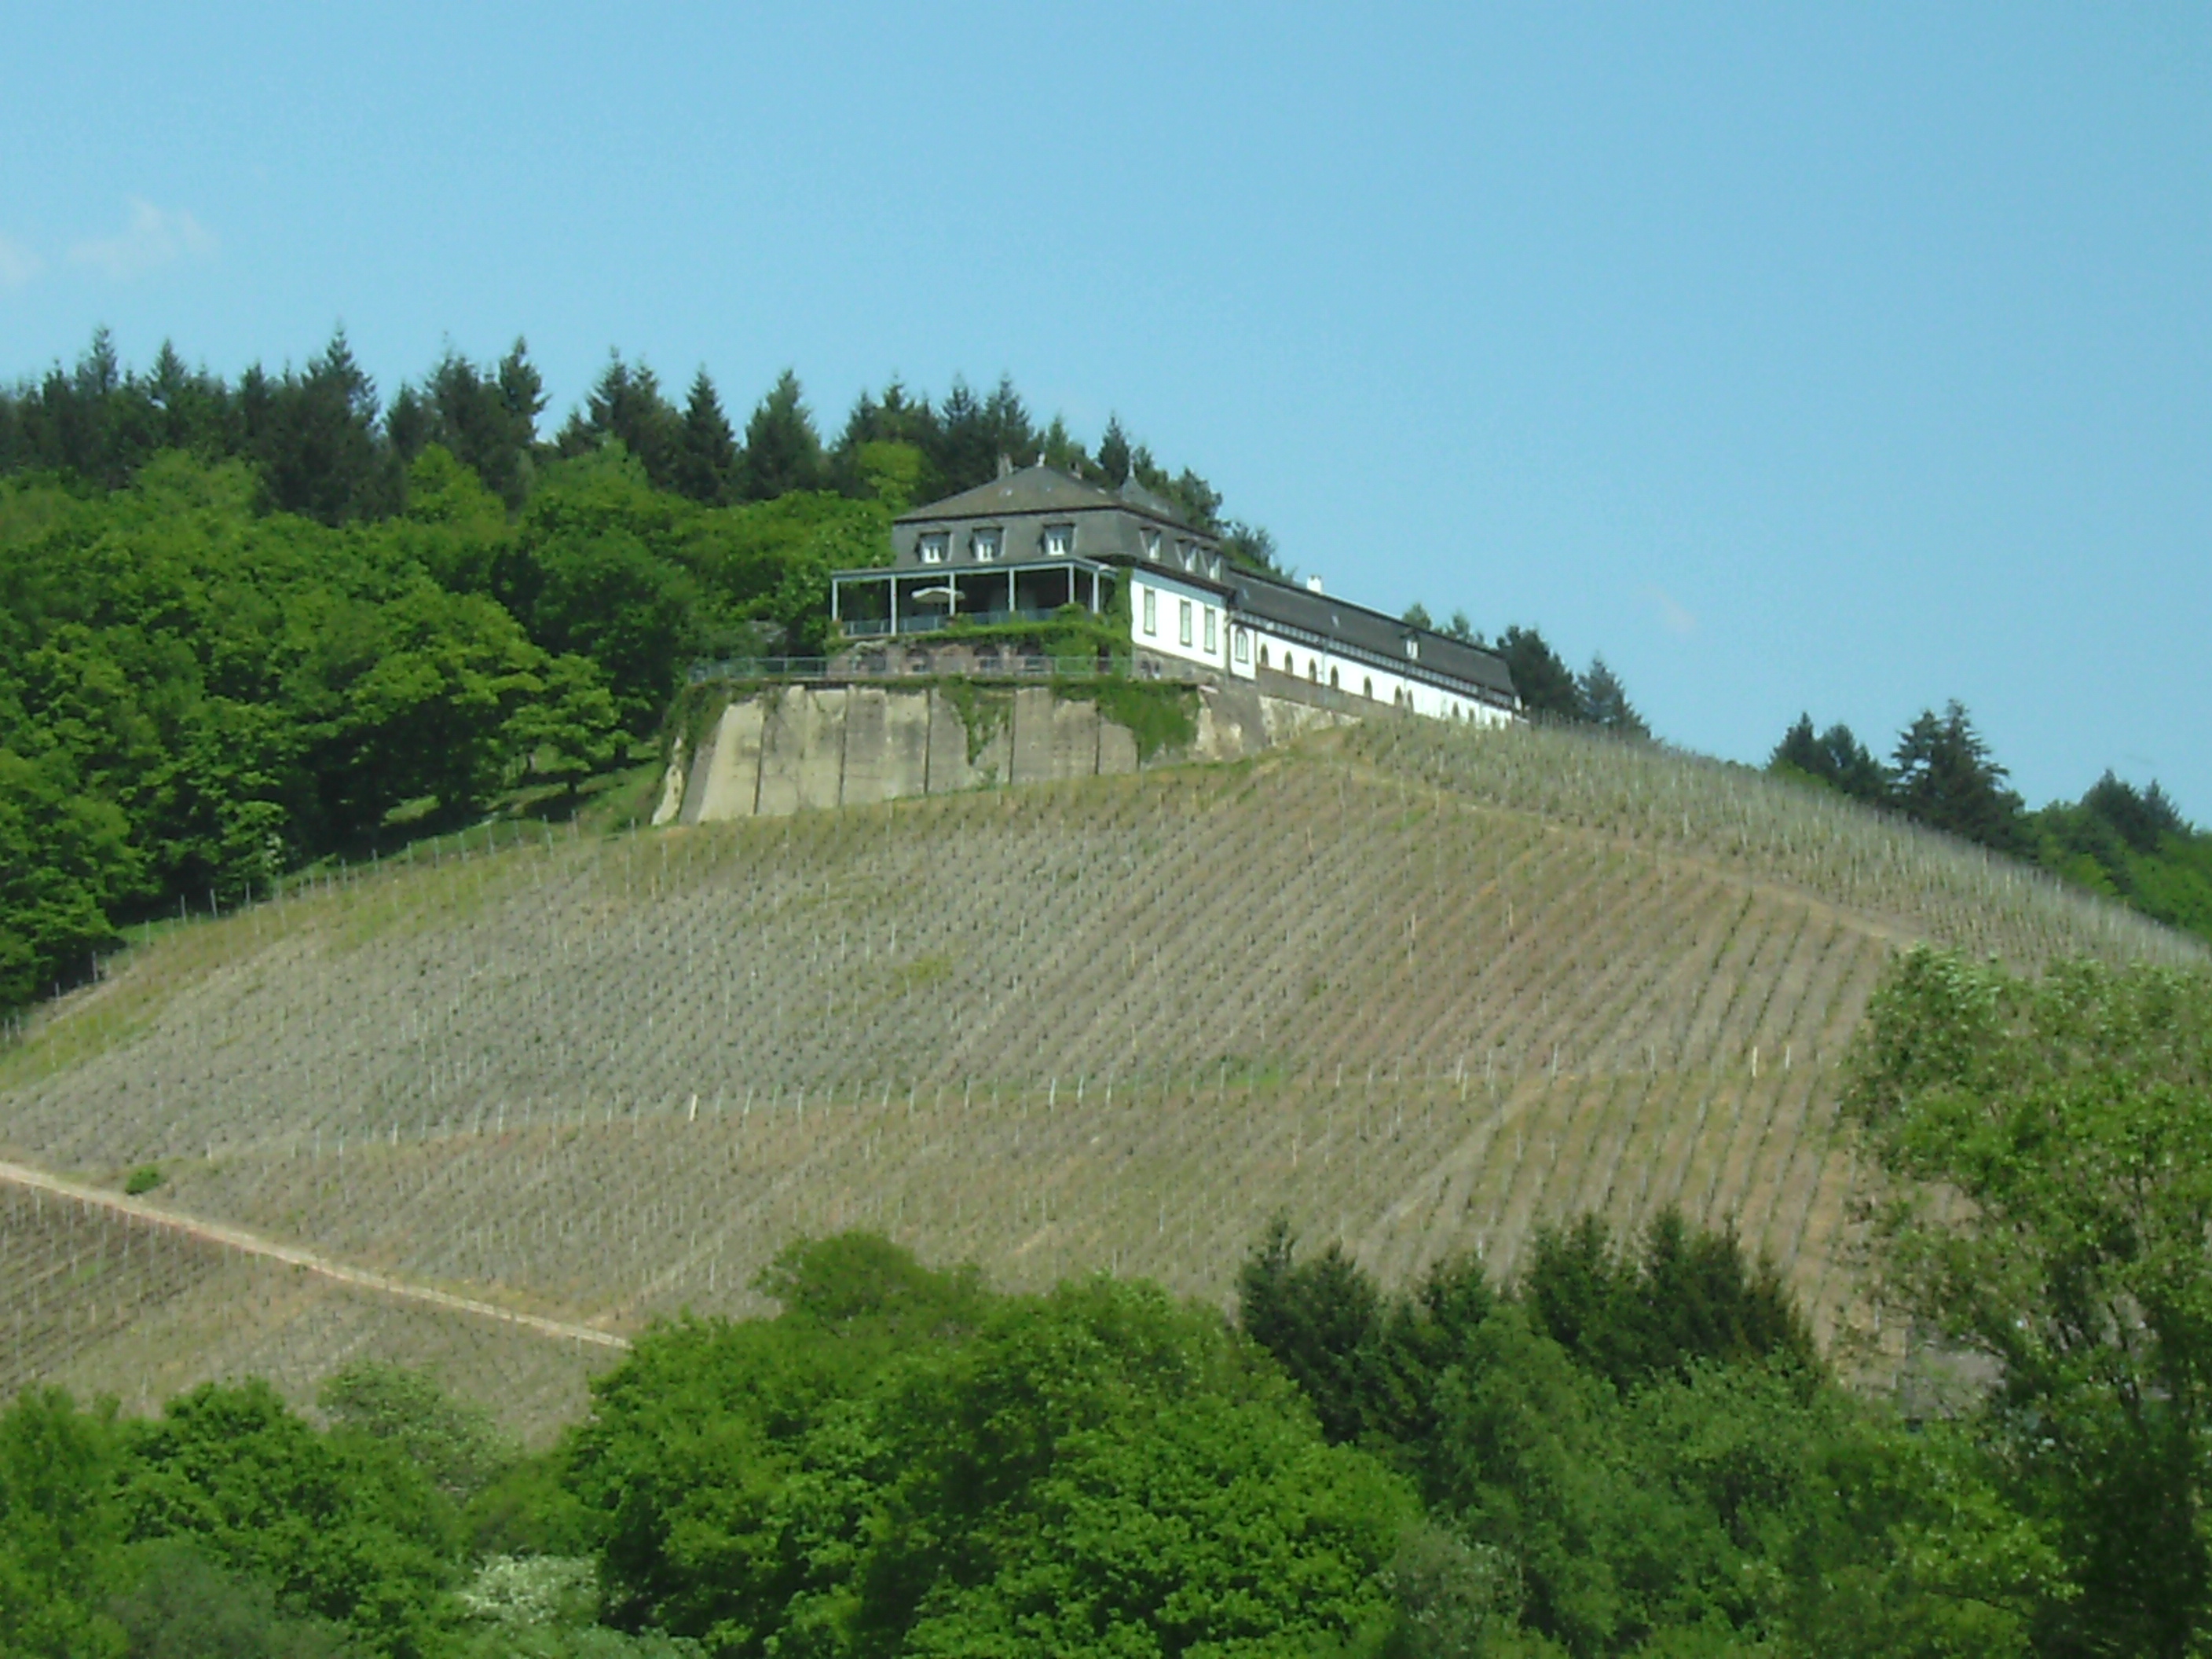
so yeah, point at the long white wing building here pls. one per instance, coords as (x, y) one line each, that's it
(1033, 540)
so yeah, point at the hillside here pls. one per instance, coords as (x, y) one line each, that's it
(1420, 988)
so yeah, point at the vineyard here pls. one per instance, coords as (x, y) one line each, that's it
(1420, 988)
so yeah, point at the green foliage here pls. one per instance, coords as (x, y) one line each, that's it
(626, 409)
(180, 1606)
(1320, 1318)
(60, 1532)
(66, 866)
(344, 1527)
(2132, 845)
(1544, 682)
(983, 714)
(902, 1463)
(1642, 1456)
(1160, 716)
(1682, 1298)
(452, 1444)
(707, 470)
(783, 453)
(2127, 843)
(1605, 702)
(1943, 775)
(2074, 1117)
(1835, 757)
(141, 1180)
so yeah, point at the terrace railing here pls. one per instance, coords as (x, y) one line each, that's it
(857, 666)
(935, 621)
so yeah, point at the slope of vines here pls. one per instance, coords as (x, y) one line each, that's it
(1421, 990)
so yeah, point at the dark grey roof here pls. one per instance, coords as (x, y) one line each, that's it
(1032, 489)
(1146, 500)
(1373, 632)
(1042, 490)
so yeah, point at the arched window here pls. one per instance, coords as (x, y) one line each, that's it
(1313, 670)
(1332, 684)
(1263, 656)
(1367, 690)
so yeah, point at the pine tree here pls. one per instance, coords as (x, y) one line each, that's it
(966, 451)
(1114, 457)
(1945, 778)
(1250, 545)
(1006, 420)
(783, 453)
(626, 405)
(707, 470)
(1060, 449)
(1544, 682)
(1605, 702)
(1416, 615)
(319, 445)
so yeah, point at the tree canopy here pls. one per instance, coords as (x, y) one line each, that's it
(2129, 843)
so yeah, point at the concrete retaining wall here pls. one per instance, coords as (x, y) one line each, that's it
(794, 747)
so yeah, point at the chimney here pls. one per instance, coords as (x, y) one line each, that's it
(1006, 465)
(1313, 584)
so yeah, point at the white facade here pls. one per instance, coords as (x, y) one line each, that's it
(1356, 677)
(1177, 619)
(1193, 625)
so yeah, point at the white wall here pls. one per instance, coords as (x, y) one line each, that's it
(1167, 598)
(1357, 678)
(1354, 677)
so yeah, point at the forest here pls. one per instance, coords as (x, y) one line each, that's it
(1633, 1448)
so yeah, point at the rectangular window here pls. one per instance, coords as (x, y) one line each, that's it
(984, 543)
(932, 547)
(1183, 631)
(1152, 611)
(1244, 644)
(1058, 540)
(1209, 628)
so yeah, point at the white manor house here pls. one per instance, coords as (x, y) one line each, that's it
(1035, 539)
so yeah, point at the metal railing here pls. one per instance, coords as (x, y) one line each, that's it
(927, 622)
(1005, 664)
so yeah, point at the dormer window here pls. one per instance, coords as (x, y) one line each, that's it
(1153, 545)
(1412, 647)
(1058, 540)
(984, 545)
(932, 547)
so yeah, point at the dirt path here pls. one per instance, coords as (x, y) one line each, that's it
(247, 1243)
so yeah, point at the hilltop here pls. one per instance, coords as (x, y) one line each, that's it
(1417, 988)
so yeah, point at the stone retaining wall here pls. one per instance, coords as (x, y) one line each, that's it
(793, 747)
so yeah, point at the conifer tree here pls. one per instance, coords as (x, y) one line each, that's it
(1544, 682)
(626, 405)
(1605, 701)
(783, 453)
(707, 468)
(1945, 778)
(1114, 457)
(967, 453)
(319, 445)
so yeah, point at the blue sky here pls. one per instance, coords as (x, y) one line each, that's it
(1847, 359)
